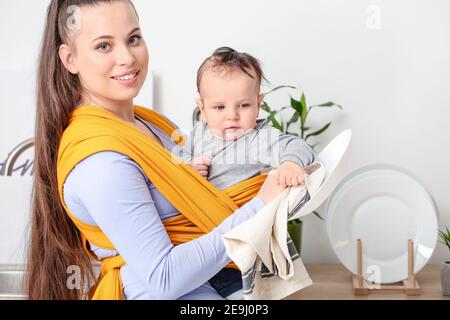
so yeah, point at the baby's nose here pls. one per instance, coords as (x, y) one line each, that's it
(232, 114)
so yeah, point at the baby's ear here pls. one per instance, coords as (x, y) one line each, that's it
(260, 99)
(201, 107)
(199, 103)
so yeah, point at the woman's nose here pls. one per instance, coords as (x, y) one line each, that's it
(125, 56)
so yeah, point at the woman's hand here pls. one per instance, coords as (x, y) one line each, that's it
(270, 188)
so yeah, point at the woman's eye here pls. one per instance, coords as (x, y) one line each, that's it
(103, 47)
(135, 40)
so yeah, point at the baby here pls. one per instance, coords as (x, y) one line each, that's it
(230, 145)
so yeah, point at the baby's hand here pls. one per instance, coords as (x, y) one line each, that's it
(290, 174)
(201, 165)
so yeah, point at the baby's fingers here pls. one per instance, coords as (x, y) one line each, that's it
(206, 160)
(203, 159)
(294, 180)
(203, 173)
(200, 167)
(282, 180)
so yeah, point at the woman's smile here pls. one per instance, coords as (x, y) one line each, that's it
(127, 78)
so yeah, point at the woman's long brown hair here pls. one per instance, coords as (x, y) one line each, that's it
(55, 247)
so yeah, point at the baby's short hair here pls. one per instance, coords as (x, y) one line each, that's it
(225, 58)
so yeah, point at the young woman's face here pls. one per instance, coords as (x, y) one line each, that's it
(111, 56)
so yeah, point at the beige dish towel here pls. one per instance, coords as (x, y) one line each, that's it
(261, 246)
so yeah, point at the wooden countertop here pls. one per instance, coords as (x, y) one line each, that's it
(334, 282)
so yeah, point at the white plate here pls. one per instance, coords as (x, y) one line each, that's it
(384, 206)
(335, 158)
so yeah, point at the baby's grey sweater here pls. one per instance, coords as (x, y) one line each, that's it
(258, 151)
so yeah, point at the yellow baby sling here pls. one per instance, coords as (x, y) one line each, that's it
(202, 206)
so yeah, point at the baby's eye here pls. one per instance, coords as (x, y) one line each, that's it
(103, 47)
(219, 107)
(136, 40)
(245, 105)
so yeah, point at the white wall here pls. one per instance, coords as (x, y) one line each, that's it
(392, 81)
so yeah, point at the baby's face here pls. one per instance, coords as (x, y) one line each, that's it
(229, 102)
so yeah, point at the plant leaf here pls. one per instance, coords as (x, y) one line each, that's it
(297, 105)
(303, 100)
(316, 133)
(445, 237)
(294, 117)
(265, 107)
(284, 108)
(274, 121)
(327, 105)
(304, 112)
(279, 87)
(318, 215)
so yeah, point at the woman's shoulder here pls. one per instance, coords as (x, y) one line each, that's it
(103, 166)
(101, 177)
(106, 159)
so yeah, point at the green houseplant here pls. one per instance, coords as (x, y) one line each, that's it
(298, 121)
(445, 267)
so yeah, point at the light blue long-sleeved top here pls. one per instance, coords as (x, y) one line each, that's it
(111, 191)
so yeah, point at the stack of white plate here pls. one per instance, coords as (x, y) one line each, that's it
(384, 206)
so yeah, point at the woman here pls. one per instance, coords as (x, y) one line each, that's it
(106, 184)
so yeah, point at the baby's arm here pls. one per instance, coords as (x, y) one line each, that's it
(290, 174)
(198, 163)
(290, 154)
(188, 148)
